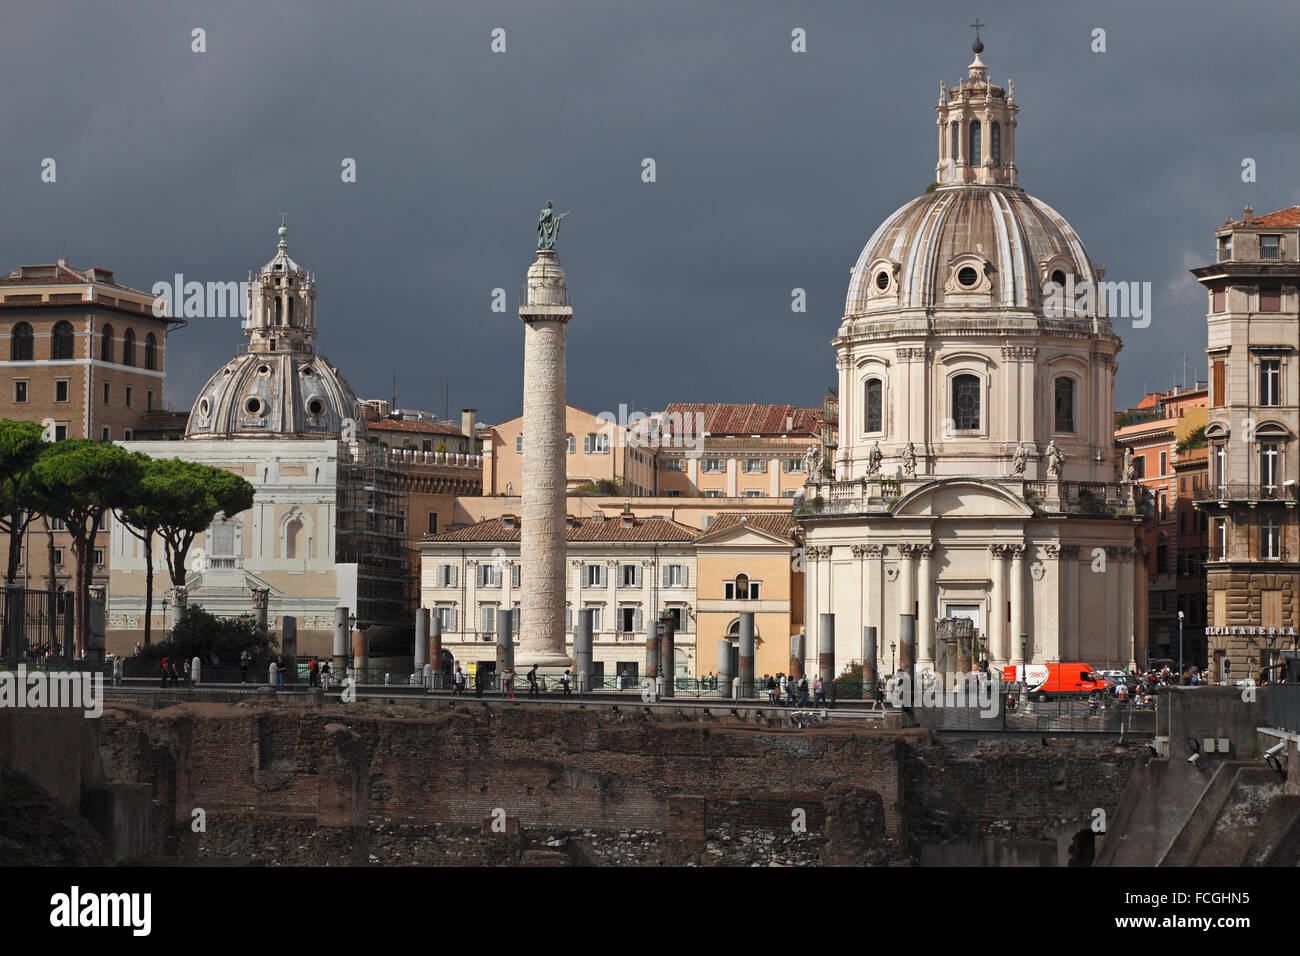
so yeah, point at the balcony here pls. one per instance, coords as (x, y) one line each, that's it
(1244, 491)
(880, 496)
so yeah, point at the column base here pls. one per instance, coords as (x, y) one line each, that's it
(541, 659)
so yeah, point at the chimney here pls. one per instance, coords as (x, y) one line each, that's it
(467, 425)
(1248, 215)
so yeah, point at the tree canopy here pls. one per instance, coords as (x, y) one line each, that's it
(21, 443)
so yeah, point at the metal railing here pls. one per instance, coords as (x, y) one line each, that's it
(1284, 706)
(1242, 491)
(35, 625)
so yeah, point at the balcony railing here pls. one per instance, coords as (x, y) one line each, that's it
(1243, 491)
(875, 495)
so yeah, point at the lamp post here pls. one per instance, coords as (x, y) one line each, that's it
(892, 645)
(1024, 672)
(1180, 648)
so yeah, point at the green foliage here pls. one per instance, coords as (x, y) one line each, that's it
(21, 443)
(931, 188)
(192, 496)
(1195, 439)
(602, 486)
(215, 640)
(817, 504)
(1089, 503)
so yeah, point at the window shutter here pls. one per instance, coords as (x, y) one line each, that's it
(1218, 384)
(663, 576)
(568, 617)
(586, 444)
(636, 620)
(514, 575)
(685, 582)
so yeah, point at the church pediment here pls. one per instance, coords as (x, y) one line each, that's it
(962, 498)
(742, 536)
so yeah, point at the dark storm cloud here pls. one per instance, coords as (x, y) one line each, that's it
(773, 169)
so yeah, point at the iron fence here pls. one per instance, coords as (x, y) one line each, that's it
(35, 626)
(1284, 706)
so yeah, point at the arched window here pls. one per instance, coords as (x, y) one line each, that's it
(20, 348)
(966, 402)
(290, 311)
(956, 141)
(875, 410)
(151, 352)
(1065, 404)
(975, 145)
(128, 347)
(279, 311)
(742, 587)
(995, 144)
(291, 533)
(106, 344)
(61, 341)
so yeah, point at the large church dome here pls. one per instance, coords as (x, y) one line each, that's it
(279, 387)
(967, 246)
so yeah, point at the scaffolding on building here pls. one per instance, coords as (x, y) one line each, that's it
(371, 534)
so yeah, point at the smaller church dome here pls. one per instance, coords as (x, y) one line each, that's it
(280, 387)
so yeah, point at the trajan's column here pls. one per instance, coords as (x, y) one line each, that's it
(545, 312)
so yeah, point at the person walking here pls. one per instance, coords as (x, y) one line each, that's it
(279, 672)
(117, 670)
(819, 691)
(478, 681)
(791, 686)
(326, 675)
(460, 681)
(139, 649)
(188, 676)
(803, 692)
(771, 689)
(508, 683)
(533, 689)
(311, 672)
(244, 660)
(564, 682)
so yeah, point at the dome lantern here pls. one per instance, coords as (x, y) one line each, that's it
(977, 123)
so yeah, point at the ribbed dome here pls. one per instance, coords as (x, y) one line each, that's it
(966, 247)
(274, 394)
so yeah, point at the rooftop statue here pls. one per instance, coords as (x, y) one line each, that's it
(548, 227)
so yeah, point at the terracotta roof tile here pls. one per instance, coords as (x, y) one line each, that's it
(586, 530)
(728, 419)
(772, 523)
(1283, 218)
(426, 428)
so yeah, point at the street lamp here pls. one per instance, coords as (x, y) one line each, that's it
(1024, 667)
(1180, 648)
(891, 658)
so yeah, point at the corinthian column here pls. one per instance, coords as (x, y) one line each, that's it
(542, 529)
(925, 608)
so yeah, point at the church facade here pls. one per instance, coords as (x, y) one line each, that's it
(975, 473)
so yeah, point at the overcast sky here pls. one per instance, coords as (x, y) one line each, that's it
(773, 168)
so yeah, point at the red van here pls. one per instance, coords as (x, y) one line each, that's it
(1057, 680)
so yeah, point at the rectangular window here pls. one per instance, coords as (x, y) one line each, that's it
(570, 444)
(20, 392)
(1270, 537)
(1221, 537)
(874, 405)
(148, 404)
(601, 446)
(127, 396)
(1270, 298)
(221, 539)
(1164, 462)
(789, 493)
(674, 576)
(60, 432)
(593, 575)
(1225, 248)
(487, 618)
(711, 494)
(446, 618)
(128, 434)
(61, 390)
(679, 618)
(753, 494)
(793, 466)
(433, 522)
(597, 617)
(1163, 501)
(1218, 300)
(713, 466)
(103, 433)
(754, 466)
(98, 557)
(489, 575)
(1270, 382)
(1065, 404)
(57, 524)
(1218, 397)
(519, 444)
(629, 575)
(1268, 462)
(516, 616)
(673, 464)
(1270, 247)
(106, 393)
(588, 442)
(446, 575)
(1162, 558)
(629, 620)
(58, 557)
